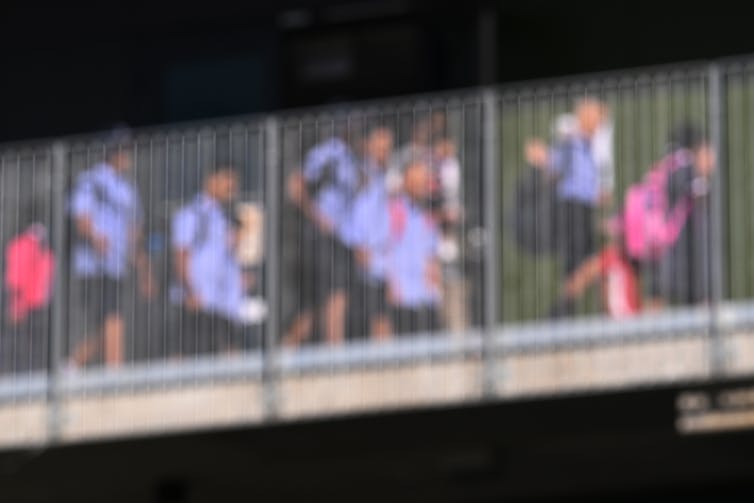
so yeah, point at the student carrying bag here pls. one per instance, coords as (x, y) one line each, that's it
(532, 218)
(651, 225)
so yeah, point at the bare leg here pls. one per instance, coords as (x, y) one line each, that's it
(300, 330)
(454, 306)
(335, 317)
(85, 350)
(113, 340)
(381, 327)
(653, 305)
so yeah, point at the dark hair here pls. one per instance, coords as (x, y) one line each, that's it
(222, 167)
(686, 135)
(120, 137)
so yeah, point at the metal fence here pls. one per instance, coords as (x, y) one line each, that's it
(374, 255)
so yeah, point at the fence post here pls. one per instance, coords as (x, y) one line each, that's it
(491, 196)
(59, 236)
(716, 100)
(272, 195)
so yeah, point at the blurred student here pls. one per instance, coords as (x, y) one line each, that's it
(107, 218)
(417, 148)
(324, 192)
(413, 270)
(369, 235)
(571, 163)
(448, 207)
(29, 276)
(566, 128)
(603, 152)
(684, 270)
(209, 278)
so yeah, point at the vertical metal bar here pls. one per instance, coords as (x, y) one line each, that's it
(272, 189)
(716, 220)
(59, 235)
(490, 166)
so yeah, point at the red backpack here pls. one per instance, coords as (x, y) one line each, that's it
(30, 267)
(650, 225)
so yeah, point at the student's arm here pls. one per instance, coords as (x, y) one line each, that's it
(184, 229)
(142, 263)
(83, 206)
(586, 274)
(536, 153)
(433, 271)
(182, 261)
(298, 193)
(549, 160)
(433, 274)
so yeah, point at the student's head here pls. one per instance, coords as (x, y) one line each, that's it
(417, 181)
(444, 148)
(689, 137)
(439, 123)
(222, 183)
(421, 132)
(118, 148)
(685, 135)
(379, 145)
(590, 114)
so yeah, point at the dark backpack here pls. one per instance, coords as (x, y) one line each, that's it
(532, 218)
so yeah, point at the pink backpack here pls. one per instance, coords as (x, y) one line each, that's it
(650, 226)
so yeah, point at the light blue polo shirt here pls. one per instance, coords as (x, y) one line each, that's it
(215, 277)
(574, 161)
(111, 202)
(369, 226)
(415, 238)
(332, 164)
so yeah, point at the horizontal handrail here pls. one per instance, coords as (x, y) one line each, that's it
(510, 339)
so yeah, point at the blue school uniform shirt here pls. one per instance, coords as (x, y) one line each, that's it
(415, 238)
(214, 274)
(332, 164)
(574, 161)
(369, 226)
(111, 202)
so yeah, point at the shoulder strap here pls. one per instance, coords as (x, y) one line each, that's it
(398, 217)
(99, 190)
(201, 233)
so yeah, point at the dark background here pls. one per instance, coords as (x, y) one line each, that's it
(69, 69)
(591, 448)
